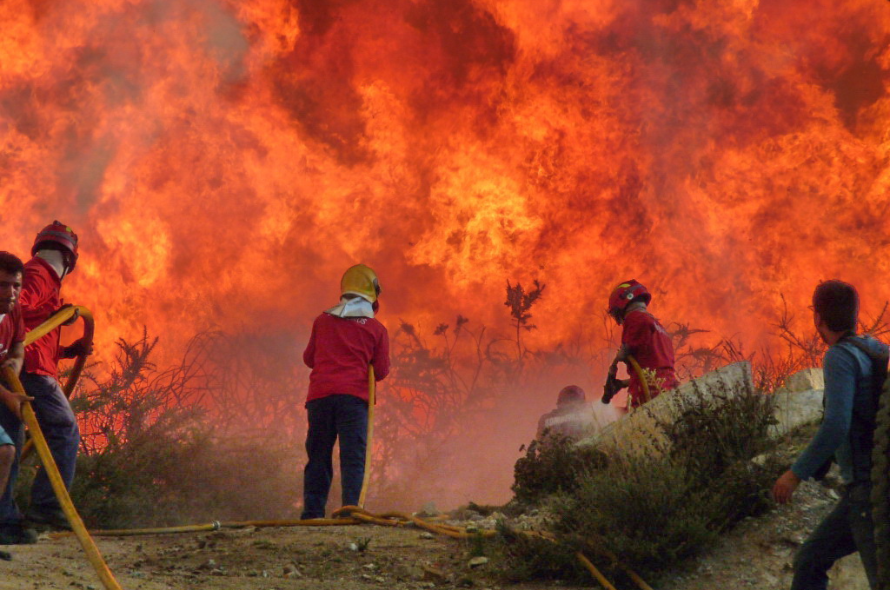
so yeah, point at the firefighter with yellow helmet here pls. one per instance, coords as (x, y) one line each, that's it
(346, 339)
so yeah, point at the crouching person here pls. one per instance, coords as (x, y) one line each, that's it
(346, 339)
(572, 417)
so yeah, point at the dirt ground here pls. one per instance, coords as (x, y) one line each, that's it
(318, 558)
(757, 554)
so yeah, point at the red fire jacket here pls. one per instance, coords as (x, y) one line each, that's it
(648, 342)
(12, 331)
(339, 352)
(40, 298)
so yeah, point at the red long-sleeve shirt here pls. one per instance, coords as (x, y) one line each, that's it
(648, 342)
(339, 352)
(12, 331)
(39, 299)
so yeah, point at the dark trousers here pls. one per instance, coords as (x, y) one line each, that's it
(59, 426)
(846, 530)
(332, 417)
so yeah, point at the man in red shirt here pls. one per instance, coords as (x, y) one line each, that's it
(12, 353)
(54, 256)
(644, 338)
(346, 339)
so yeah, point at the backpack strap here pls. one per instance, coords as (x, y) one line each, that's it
(879, 361)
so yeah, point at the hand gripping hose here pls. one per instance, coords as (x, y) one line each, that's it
(55, 478)
(372, 395)
(53, 322)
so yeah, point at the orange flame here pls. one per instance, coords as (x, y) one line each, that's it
(224, 161)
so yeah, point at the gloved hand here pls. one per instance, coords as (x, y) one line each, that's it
(77, 348)
(613, 385)
(14, 400)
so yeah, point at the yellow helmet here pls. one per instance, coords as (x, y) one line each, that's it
(362, 281)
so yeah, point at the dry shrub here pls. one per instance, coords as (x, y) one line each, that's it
(153, 454)
(655, 511)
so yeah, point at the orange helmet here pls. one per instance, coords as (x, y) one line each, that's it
(624, 294)
(362, 281)
(57, 236)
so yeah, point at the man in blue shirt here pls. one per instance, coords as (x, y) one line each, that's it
(846, 435)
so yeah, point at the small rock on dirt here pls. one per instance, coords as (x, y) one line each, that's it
(478, 561)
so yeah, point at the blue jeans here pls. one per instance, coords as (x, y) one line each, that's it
(846, 530)
(59, 426)
(346, 417)
(9, 512)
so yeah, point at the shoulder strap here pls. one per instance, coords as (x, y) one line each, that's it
(878, 367)
(880, 359)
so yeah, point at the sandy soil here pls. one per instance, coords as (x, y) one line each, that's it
(757, 554)
(318, 558)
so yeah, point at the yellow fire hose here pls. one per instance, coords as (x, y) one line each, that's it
(55, 478)
(372, 399)
(644, 385)
(594, 571)
(53, 322)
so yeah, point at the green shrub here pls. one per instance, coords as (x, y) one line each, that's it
(551, 465)
(644, 509)
(652, 511)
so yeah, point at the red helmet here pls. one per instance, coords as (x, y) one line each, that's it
(570, 394)
(60, 234)
(626, 293)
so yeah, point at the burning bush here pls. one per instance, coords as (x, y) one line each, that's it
(153, 455)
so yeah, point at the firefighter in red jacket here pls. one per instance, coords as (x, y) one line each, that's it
(642, 337)
(54, 256)
(345, 340)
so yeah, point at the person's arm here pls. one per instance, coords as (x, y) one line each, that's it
(12, 399)
(16, 357)
(635, 335)
(840, 371)
(840, 388)
(381, 357)
(36, 293)
(309, 353)
(79, 347)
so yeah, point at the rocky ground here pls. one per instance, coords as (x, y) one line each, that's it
(757, 554)
(318, 558)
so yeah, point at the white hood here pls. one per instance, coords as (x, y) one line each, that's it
(352, 308)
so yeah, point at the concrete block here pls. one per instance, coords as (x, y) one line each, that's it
(638, 431)
(796, 408)
(806, 380)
